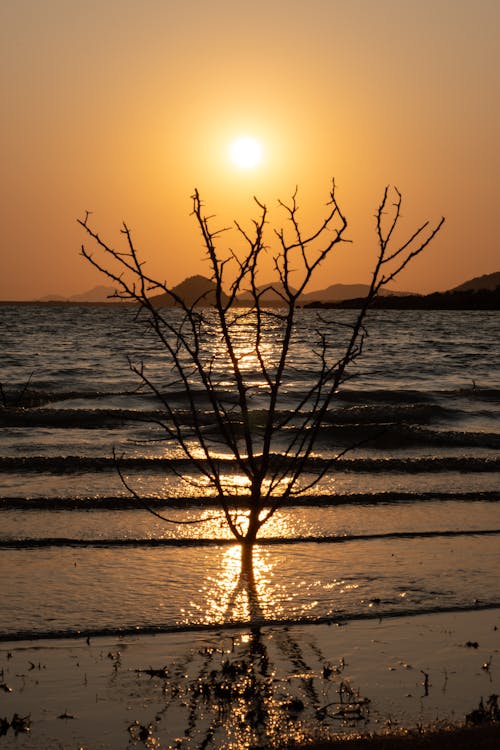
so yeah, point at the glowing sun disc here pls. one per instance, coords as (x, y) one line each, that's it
(246, 152)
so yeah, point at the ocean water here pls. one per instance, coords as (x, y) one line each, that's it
(406, 521)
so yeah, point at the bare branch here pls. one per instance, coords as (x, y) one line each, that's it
(229, 346)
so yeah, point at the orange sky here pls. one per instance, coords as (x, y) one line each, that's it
(122, 107)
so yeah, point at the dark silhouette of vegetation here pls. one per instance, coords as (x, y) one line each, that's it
(213, 346)
(483, 299)
(15, 399)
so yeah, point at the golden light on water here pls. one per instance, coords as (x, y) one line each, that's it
(236, 594)
(241, 593)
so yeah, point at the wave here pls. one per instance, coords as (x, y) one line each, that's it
(126, 502)
(68, 418)
(71, 464)
(404, 435)
(145, 630)
(36, 543)
(394, 427)
(397, 396)
(27, 396)
(16, 416)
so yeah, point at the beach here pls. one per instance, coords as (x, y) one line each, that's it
(251, 687)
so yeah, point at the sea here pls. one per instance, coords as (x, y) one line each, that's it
(404, 520)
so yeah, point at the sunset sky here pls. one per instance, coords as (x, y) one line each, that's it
(122, 107)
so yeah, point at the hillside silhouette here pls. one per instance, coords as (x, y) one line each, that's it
(483, 299)
(489, 282)
(195, 290)
(98, 293)
(479, 293)
(340, 292)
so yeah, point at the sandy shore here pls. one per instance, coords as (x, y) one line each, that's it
(464, 738)
(244, 688)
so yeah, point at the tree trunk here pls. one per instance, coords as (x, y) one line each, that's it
(248, 542)
(253, 527)
(247, 557)
(247, 572)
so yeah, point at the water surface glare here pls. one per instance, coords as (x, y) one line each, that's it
(407, 521)
(72, 589)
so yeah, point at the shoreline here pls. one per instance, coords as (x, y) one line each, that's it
(236, 625)
(309, 681)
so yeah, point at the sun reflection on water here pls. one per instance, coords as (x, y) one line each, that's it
(237, 592)
(212, 525)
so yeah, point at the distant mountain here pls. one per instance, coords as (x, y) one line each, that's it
(480, 293)
(477, 293)
(334, 293)
(195, 290)
(52, 298)
(271, 294)
(340, 292)
(489, 281)
(200, 290)
(96, 294)
(484, 299)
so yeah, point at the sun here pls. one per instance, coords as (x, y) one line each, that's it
(246, 152)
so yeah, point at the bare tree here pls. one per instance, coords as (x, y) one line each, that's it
(217, 344)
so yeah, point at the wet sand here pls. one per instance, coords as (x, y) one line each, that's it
(464, 738)
(267, 686)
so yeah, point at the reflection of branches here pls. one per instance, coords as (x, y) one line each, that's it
(258, 688)
(254, 687)
(246, 584)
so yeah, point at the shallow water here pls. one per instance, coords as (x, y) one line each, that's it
(137, 587)
(78, 553)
